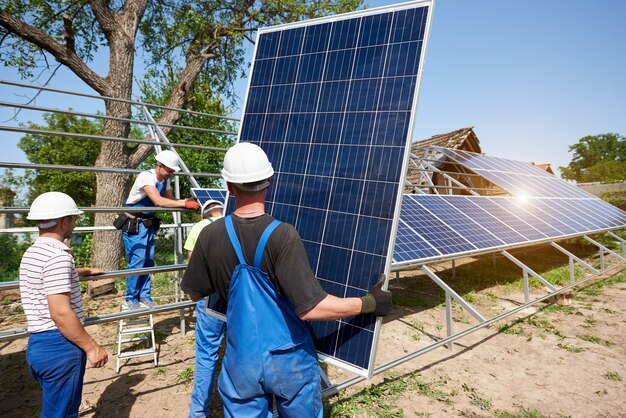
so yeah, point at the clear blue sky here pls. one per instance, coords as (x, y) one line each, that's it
(532, 77)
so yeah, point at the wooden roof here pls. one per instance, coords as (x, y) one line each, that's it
(464, 139)
(544, 167)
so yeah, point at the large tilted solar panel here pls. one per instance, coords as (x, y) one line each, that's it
(331, 102)
(516, 177)
(436, 227)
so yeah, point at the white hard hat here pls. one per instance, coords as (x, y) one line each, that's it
(169, 159)
(216, 205)
(52, 205)
(246, 163)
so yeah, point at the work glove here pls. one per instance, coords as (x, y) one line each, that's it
(377, 301)
(192, 204)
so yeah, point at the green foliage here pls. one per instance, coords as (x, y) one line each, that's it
(475, 397)
(157, 87)
(81, 248)
(614, 376)
(61, 150)
(186, 374)
(12, 251)
(378, 400)
(596, 340)
(615, 197)
(571, 348)
(597, 158)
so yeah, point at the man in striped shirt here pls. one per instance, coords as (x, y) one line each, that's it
(58, 346)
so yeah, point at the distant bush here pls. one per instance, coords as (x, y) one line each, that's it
(616, 197)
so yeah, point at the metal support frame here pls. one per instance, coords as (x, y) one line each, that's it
(448, 340)
(621, 240)
(527, 270)
(158, 139)
(602, 251)
(157, 134)
(451, 180)
(451, 294)
(573, 258)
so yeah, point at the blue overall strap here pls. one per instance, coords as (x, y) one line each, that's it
(258, 255)
(234, 240)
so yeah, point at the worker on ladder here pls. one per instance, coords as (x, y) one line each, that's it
(265, 275)
(151, 188)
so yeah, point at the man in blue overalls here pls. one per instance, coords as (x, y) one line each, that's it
(265, 276)
(151, 188)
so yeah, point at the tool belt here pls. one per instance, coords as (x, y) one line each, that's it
(129, 222)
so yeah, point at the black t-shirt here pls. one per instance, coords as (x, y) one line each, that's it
(213, 261)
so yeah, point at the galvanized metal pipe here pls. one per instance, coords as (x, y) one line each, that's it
(119, 119)
(106, 138)
(115, 99)
(92, 169)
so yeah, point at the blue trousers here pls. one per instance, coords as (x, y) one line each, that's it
(139, 253)
(209, 333)
(59, 367)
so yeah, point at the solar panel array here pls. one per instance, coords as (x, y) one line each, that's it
(516, 177)
(447, 226)
(331, 102)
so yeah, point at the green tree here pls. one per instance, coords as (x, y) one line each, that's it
(597, 158)
(62, 150)
(12, 251)
(203, 36)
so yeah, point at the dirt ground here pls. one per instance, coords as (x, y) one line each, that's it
(553, 361)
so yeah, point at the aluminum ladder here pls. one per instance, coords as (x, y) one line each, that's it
(127, 332)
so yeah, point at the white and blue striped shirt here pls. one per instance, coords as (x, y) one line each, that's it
(47, 268)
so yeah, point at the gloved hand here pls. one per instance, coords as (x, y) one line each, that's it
(377, 301)
(192, 204)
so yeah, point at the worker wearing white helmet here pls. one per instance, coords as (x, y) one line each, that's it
(209, 329)
(151, 188)
(58, 346)
(266, 279)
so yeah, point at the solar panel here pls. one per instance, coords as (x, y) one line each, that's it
(437, 227)
(202, 195)
(331, 101)
(516, 177)
(209, 194)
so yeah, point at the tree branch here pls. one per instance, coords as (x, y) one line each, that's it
(58, 51)
(70, 41)
(178, 99)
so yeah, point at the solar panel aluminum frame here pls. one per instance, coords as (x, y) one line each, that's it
(403, 265)
(407, 152)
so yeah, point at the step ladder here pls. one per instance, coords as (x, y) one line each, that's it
(127, 332)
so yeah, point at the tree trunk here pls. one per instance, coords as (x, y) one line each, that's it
(112, 188)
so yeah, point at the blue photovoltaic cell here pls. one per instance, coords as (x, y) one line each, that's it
(516, 177)
(410, 246)
(209, 194)
(483, 217)
(441, 236)
(526, 214)
(428, 223)
(460, 222)
(330, 101)
(214, 194)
